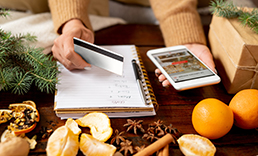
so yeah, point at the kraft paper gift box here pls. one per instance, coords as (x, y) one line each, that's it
(235, 51)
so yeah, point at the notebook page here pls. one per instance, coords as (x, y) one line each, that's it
(98, 87)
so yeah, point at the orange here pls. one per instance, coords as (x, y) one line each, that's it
(245, 108)
(99, 124)
(212, 118)
(93, 147)
(26, 117)
(62, 142)
(195, 145)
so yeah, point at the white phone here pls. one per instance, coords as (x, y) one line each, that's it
(182, 68)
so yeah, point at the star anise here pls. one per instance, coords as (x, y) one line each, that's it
(150, 136)
(134, 125)
(157, 127)
(139, 148)
(118, 136)
(126, 147)
(151, 130)
(159, 131)
(171, 129)
(156, 124)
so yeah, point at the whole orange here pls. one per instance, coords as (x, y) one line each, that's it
(212, 118)
(245, 108)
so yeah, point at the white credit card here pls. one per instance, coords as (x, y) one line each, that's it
(98, 56)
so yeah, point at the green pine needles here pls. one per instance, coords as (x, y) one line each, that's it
(22, 66)
(3, 12)
(229, 10)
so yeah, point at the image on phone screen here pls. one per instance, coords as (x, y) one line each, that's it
(181, 65)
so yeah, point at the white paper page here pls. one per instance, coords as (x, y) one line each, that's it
(98, 87)
(110, 114)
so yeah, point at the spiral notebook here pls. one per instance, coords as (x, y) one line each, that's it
(82, 91)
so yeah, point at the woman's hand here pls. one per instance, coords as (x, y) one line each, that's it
(63, 49)
(201, 51)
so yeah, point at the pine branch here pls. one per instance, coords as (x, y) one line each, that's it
(4, 13)
(21, 83)
(22, 65)
(250, 20)
(229, 10)
(225, 9)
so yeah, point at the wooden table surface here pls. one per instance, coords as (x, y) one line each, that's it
(174, 107)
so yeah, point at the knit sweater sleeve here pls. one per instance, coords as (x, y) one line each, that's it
(179, 21)
(64, 10)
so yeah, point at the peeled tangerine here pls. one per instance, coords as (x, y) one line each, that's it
(64, 140)
(93, 147)
(99, 124)
(196, 145)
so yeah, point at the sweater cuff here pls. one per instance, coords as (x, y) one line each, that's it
(185, 26)
(65, 10)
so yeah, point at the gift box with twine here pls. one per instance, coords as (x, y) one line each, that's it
(235, 51)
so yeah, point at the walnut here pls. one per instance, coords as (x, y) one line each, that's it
(14, 144)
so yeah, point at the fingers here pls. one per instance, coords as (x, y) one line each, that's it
(157, 72)
(64, 53)
(71, 56)
(164, 81)
(63, 48)
(162, 78)
(202, 52)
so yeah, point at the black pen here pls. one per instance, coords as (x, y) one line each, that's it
(136, 69)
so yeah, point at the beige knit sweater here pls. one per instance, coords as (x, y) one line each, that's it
(179, 20)
(64, 10)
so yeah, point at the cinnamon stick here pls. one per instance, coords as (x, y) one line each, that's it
(164, 151)
(157, 145)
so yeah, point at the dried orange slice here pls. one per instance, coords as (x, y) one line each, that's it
(25, 117)
(62, 142)
(99, 124)
(29, 102)
(196, 145)
(5, 115)
(93, 147)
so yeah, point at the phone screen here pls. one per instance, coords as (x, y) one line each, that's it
(181, 65)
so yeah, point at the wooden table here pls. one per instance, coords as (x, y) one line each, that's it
(174, 107)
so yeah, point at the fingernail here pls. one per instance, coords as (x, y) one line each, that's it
(87, 68)
(157, 73)
(215, 71)
(165, 86)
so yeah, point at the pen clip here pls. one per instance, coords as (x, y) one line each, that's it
(138, 76)
(137, 70)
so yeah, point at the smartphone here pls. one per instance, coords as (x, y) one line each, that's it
(182, 68)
